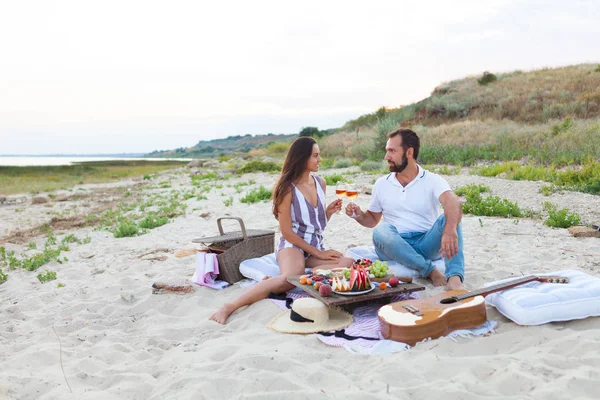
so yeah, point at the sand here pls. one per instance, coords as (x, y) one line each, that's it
(114, 339)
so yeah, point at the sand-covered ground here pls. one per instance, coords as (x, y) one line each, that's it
(109, 337)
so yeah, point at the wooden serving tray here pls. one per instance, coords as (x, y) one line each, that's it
(339, 299)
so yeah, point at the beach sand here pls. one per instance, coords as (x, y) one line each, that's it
(109, 337)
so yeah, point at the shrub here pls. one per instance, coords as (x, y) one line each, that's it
(371, 166)
(382, 129)
(47, 277)
(153, 221)
(256, 195)
(343, 163)
(259, 166)
(491, 206)
(560, 218)
(333, 179)
(597, 69)
(463, 190)
(546, 190)
(3, 277)
(327, 163)
(126, 229)
(487, 77)
(563, 127)
(278, 148)
(310, 131)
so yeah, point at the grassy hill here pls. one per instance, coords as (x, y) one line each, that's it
(228, 146)
(549, 116)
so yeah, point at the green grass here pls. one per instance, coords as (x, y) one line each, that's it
(260, 166)
(334, 179)
(153, 221)
(463, 190)
(228, 202)
(47, 277)
(342, 163)
(38, 179)
(560, 218)
(585, 179)
(51, 252)
(126, 229)
(491, 206)
(257, 195)
(547, 190)
(372, 166)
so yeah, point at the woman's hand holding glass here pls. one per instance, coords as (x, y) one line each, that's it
(340, 192)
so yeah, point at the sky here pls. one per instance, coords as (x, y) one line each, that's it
(100, 77)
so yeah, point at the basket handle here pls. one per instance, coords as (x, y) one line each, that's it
(237, 219)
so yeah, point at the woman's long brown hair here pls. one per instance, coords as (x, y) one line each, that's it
(293, 167)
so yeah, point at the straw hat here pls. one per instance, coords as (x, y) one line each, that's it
(309, 315)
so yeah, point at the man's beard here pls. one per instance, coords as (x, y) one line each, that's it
(398, 168)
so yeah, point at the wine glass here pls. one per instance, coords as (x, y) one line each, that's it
(352, 194)
(340, 192)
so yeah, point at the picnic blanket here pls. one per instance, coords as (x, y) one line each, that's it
(363, 336)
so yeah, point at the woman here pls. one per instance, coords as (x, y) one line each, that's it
(299, 206)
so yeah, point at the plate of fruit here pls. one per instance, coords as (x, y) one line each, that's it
(352, 281)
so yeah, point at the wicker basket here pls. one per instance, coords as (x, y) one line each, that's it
(234, 247)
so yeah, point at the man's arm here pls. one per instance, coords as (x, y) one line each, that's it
(368, 219)
(453, 214)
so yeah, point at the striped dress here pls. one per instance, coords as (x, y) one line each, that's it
(308, 222)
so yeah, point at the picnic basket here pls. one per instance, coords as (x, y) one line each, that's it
(234, 247)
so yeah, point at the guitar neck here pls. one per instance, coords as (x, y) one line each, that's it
(496, 288)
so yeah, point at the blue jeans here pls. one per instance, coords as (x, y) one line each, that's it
(416, 250)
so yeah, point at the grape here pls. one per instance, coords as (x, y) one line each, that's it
(379, 268)
(346, 273)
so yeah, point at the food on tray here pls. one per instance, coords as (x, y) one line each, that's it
(393, 281)
(325, 290)
(358, 280)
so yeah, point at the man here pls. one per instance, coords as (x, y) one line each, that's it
(409, 200)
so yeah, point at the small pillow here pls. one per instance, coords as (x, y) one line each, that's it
(538, 303)
(398, 269)
(258, 268)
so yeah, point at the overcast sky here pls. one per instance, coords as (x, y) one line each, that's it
(135, 76)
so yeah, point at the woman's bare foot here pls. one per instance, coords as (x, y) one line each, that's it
(454, 283)
(222, 313)
(437, 278)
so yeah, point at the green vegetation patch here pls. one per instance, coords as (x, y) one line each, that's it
(586, 179)
(334, 179)
(260, 166)
(256, 195)
(491, 206)
(464, 190)
(47, 277)
(560, 218)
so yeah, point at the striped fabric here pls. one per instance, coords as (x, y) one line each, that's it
(308, 222)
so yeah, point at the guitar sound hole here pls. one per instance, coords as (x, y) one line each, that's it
(449, 300)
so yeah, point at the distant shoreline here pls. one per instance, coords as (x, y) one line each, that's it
(31, 161)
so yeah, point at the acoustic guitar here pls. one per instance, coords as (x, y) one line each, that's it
(411, 321)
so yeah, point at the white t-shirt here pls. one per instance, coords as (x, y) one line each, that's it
(411, 208)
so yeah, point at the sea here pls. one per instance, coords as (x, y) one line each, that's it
(28, 161)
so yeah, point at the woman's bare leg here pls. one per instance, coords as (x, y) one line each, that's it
(291, 262)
